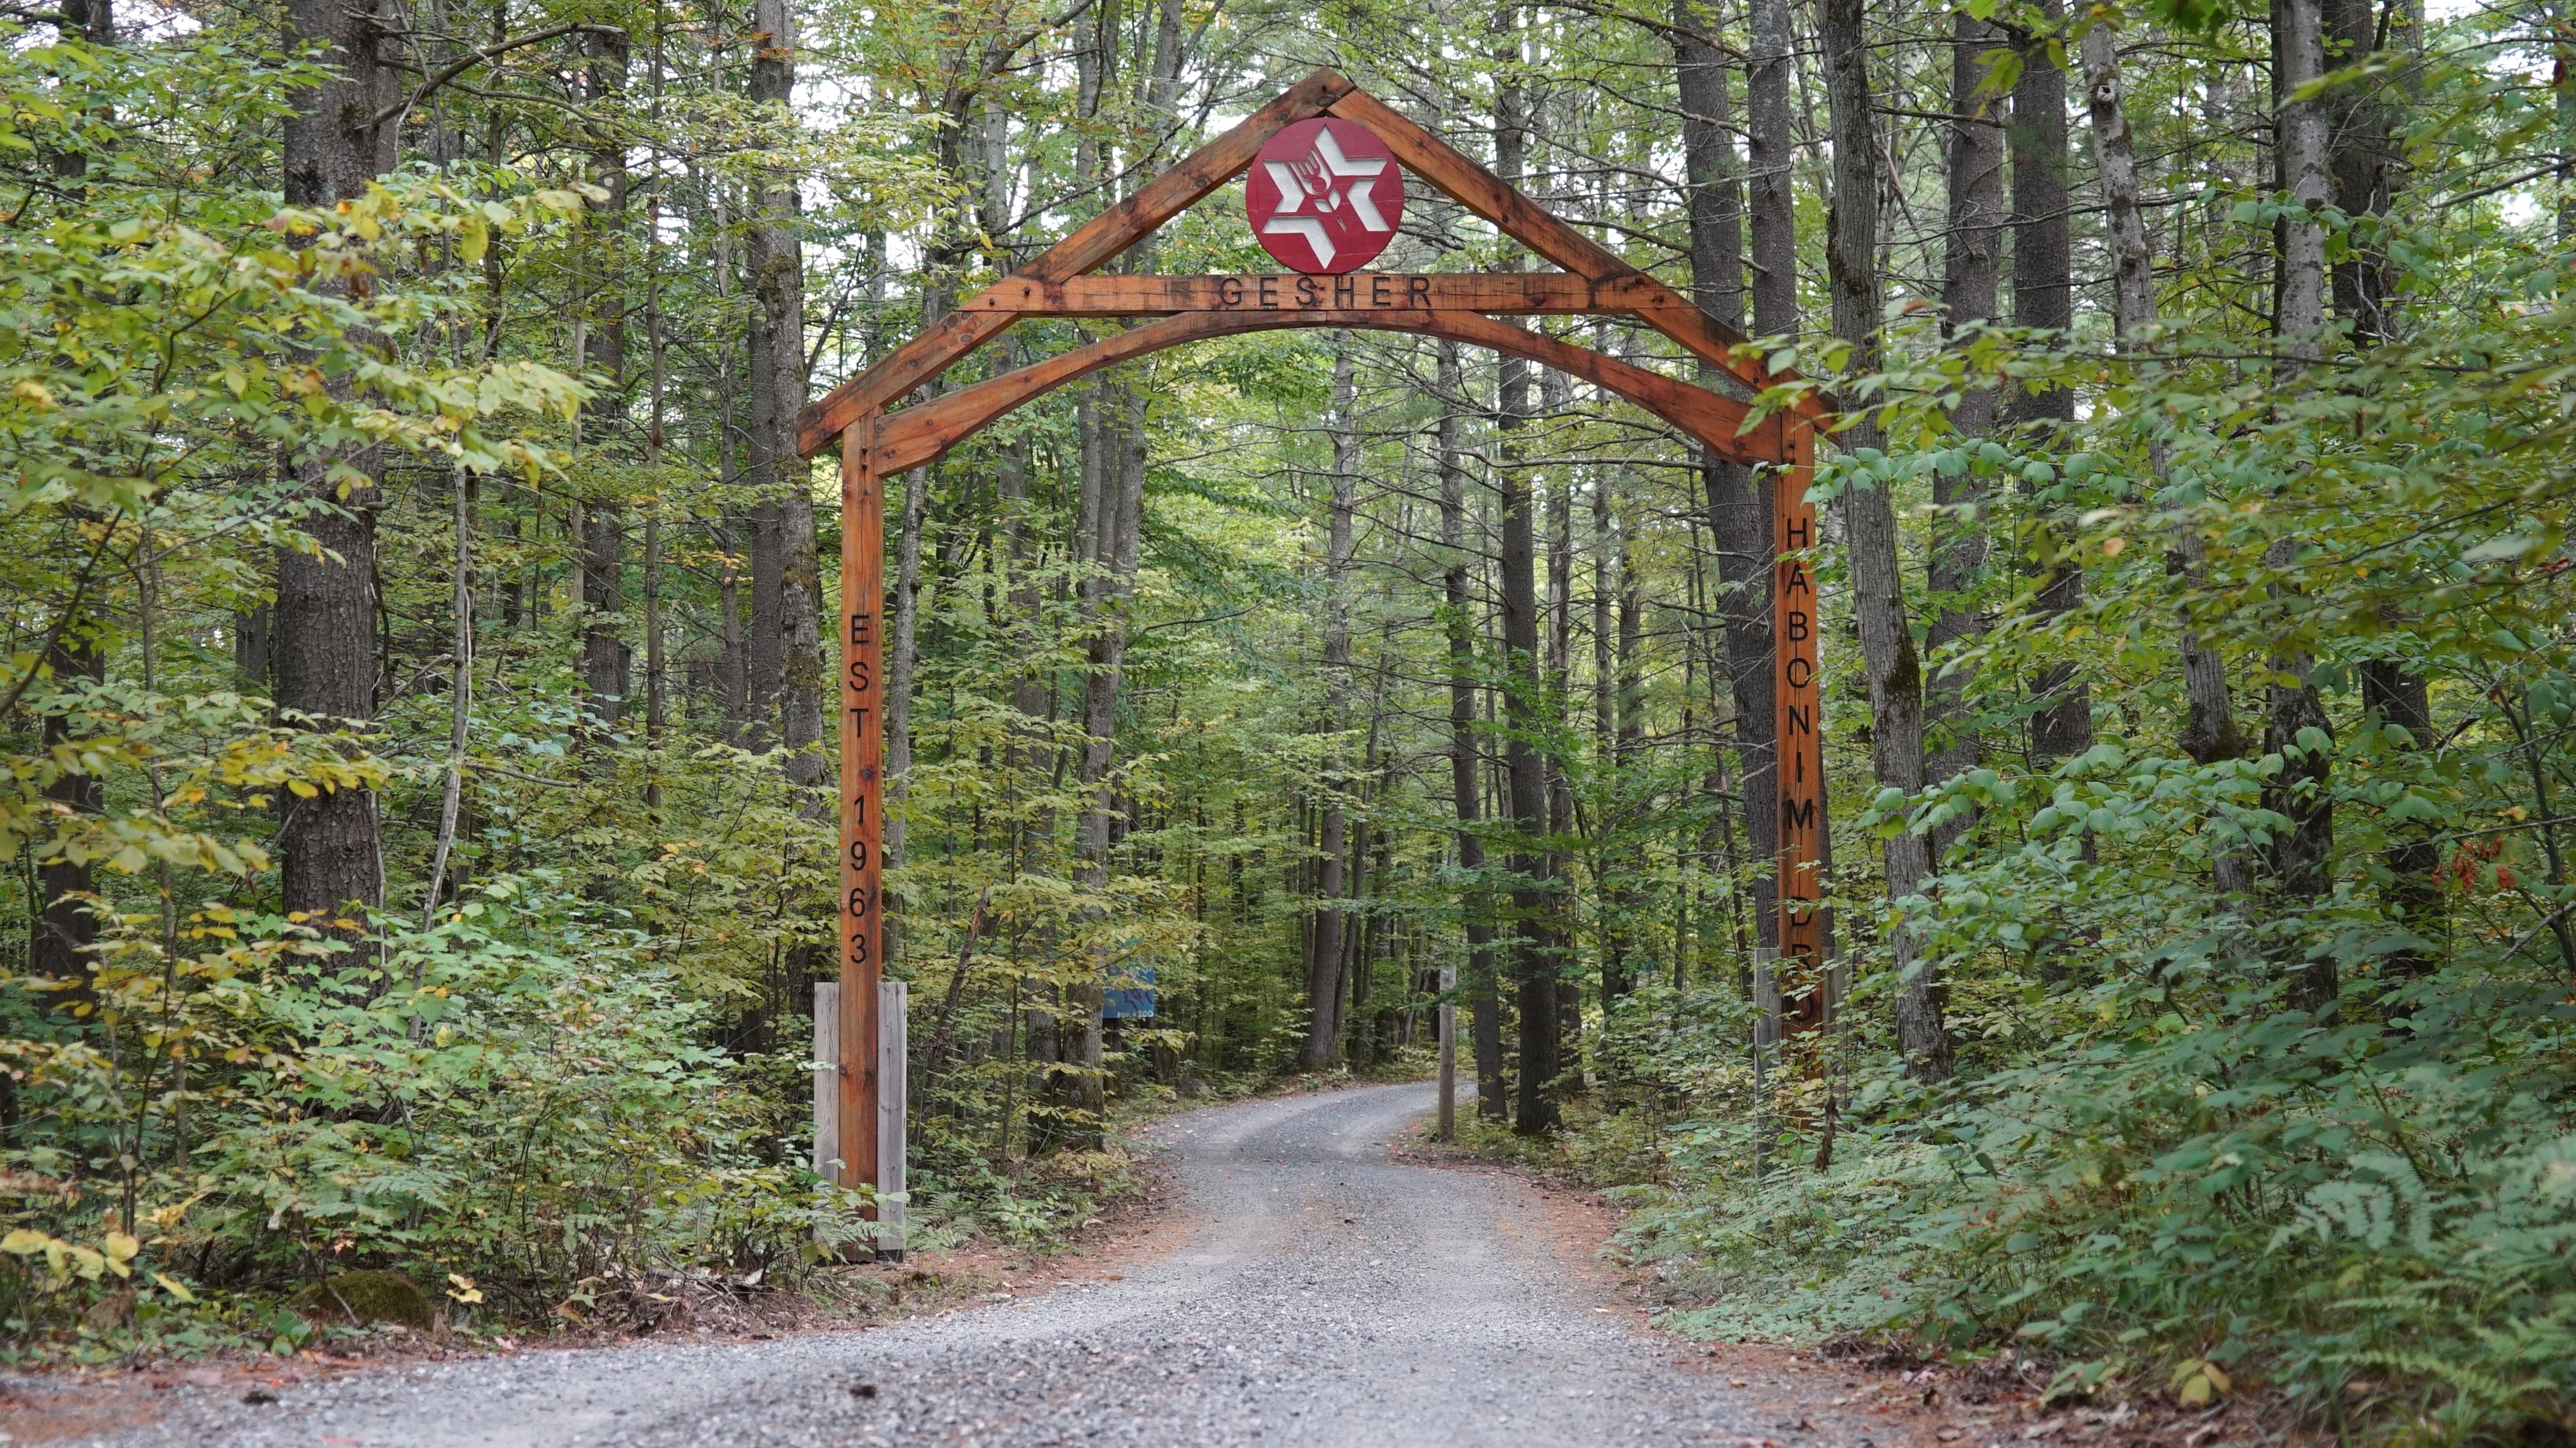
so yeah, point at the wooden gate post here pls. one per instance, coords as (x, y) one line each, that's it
(1801, 764)
(1060, 283)
(862, 795)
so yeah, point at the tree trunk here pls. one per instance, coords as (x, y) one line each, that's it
(1465, 755)
(1123, 455)
(1324, 960)
(787, 654)
(1740, 512)
(2298, 729)
(603, 592)
(2399, 699)
(2209, 730)
(1971, 257)
(1617, 973)
(656, 703)
(326, 601)
(2044, 299)
(64, 928)
(1611, 944)
(253, 634)
(2363, 166)
(733, 674)
(2360, 168)
(1556, 400)
(1523, 702)
(1870, 529)
(902, 659)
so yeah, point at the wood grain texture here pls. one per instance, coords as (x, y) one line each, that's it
(1096, 241)
(922, 433)
(1533, 226)
(1452, 306)
(1162, 296)
(1799, 712)
(862, 933)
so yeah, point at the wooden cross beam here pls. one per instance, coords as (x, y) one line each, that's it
(876, 443)
(924, 431)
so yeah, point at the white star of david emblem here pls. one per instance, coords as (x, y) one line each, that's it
(1324, 177)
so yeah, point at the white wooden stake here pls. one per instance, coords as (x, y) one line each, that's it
(893, 1032)
(827, 1079)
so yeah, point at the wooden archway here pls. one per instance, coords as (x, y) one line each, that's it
(876, 443)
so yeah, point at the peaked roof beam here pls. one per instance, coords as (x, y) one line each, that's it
(923, 432)
(1326, 91)
(1097, 240)
(1533, 226)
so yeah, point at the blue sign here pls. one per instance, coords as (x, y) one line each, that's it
(1130, 996)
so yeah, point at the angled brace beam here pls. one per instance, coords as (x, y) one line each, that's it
(1099, 239)
(1326, 91)
(924, 431)
(1533, 226)
(875, 445)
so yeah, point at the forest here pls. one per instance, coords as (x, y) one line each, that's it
(420, 803)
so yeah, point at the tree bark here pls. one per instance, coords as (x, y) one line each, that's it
(1465, 754)
(326, 600)
(2298, 59)
(1971, 274)
(604, 654)
(2362, 163)
(2044, 300)
(2298, 729)
(1556, 400)
(1535, 1110)
(2398, 696)
(1324, 959)
(1869, 525)
(788, 652)
(903, 659)
(2209, 729)
(733, 674)
(253, 634)
(1618, 976)
(64, 928)
(1740, 515)
(1123, 458)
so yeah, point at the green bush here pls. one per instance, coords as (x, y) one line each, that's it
(518, 1097)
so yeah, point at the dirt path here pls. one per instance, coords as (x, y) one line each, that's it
(1318, 1293)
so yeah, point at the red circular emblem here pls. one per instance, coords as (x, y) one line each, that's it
(1324, 196)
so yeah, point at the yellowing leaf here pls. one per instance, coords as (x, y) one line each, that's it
(2199, 1381)
(174, 1287)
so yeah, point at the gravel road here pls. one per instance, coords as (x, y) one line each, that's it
(1322, 1294)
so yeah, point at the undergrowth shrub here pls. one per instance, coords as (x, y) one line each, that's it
(519, 1100)
(2369, 1210)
